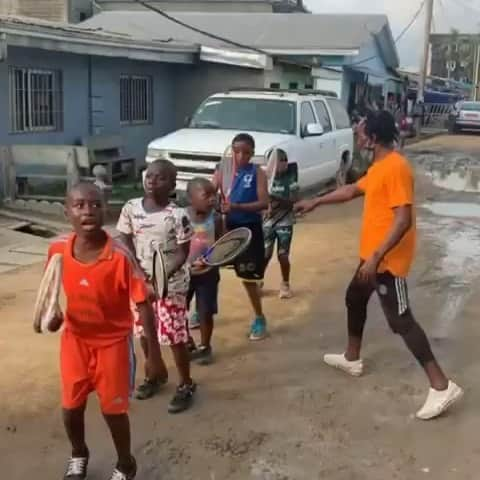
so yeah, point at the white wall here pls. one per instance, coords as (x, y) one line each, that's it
(286, 74)
(55, 10)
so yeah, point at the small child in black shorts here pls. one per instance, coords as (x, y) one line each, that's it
(207, 227)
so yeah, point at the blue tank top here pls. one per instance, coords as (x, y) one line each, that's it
(244, 190)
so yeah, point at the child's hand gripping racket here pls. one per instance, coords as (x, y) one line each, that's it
(224, 251)
(47, 315)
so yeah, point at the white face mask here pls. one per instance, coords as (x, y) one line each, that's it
(368, 155)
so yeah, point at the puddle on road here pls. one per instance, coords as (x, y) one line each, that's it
(455, 172)
(466, 180)
(454, 209)
(454, 230)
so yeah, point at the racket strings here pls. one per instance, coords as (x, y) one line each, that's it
(229, 247)
(225, 250)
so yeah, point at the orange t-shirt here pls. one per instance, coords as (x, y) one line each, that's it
(388, 184)
(98, 294)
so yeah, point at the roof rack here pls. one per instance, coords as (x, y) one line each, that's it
(308, 91)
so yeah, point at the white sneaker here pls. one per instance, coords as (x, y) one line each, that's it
(355, 368)
(438, 401)
(285, 292)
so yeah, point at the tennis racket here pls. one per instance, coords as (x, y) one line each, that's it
(277, 216)
(160, 274)
(271, 168)
(225, 250)
(227, 173)
(47, 306)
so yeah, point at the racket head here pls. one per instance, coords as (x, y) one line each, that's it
(227, 172)
(160, 277)
(271, 168)
(227, 248)
(47, 305)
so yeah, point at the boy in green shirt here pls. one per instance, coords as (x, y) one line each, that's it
(279, 220)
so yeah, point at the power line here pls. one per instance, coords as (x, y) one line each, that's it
(199, 30)
(258, 50)
(412, 21)
(399, 36)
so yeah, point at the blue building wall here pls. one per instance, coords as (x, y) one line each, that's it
(75, 96)
(104, 82)
(106, 74)
(355, 69)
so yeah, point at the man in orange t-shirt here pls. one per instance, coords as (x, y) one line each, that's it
(387, 247)
(100, 280)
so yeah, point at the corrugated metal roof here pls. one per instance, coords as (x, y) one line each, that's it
(261, 30)
(30, 27)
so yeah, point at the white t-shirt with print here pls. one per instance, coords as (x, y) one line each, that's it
(166, 229)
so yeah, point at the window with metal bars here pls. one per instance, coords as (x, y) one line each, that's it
(135, 100)
(36, 100)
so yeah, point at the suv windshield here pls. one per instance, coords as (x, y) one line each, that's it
(273, 116)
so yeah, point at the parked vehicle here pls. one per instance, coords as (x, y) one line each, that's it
(312, 128)
(465, 116)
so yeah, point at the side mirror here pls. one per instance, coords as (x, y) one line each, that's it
(186, 121)
(313, 130)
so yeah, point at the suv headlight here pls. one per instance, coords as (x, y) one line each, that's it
(157, 153)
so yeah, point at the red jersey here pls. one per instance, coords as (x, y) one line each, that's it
(99, 294)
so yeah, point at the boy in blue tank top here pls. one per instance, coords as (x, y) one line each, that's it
(243, 208)
(207, 227)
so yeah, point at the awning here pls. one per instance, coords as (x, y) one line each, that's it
(236, 57)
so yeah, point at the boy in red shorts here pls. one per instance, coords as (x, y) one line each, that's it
(147, 223)
(100, 277)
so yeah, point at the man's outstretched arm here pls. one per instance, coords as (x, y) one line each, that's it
(340, 195)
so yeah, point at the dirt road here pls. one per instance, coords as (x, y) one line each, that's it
(273, 411)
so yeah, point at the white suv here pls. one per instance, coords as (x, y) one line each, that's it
(313, 129)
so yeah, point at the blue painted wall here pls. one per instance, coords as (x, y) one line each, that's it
(106, 101)
(105, 88)
(368, 61)
(75, 96)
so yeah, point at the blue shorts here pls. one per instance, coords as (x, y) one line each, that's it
(205, 290)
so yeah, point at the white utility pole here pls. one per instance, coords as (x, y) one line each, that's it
(426, 48)
(476, 67)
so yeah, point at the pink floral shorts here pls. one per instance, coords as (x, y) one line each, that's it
(171, 319)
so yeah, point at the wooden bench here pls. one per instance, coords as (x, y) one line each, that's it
(107, 150)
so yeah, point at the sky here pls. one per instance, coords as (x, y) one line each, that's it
(461, 14)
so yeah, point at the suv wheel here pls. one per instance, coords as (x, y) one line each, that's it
(341, 177)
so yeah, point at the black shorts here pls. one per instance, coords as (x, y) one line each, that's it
(205, 290)
(250, 265)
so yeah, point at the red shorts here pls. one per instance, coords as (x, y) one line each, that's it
(109, 371)
(171, 320)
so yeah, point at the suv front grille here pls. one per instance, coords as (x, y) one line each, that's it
(196, 170)
(195, 157)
